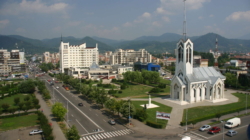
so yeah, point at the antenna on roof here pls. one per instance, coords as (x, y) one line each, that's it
(184, 22)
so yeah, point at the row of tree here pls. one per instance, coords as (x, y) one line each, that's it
(144, 77)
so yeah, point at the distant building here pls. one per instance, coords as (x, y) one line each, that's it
(169, 61)
(198, 62)
(11, 62)
(77, 56)
(138, 66)
(130, 56)
(51, 57)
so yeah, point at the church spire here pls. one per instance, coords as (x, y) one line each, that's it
(61, 37)
(184, 22)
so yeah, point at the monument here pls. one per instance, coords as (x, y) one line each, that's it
(150, 105)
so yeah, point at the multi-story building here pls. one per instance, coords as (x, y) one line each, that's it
(77, 56)
(51, 57)
(130, 56)
(11, 61)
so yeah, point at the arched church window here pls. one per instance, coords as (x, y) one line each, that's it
(179, 54)
(187, 55)
(190, 54)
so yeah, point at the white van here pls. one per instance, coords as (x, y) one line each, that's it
(233, 123)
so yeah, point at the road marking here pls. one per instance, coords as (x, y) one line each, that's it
(103, 120)
(96, 114)
(199, 135)
(72, 115)
(79, 109)
(113, 127)
(82, 126)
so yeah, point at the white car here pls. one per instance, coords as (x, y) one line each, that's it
(33, 132)
(57, 87)
(205, 127)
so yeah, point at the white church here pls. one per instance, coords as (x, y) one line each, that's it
(194, 84)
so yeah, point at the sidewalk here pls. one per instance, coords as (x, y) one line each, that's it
(57, 132)
(173, 127)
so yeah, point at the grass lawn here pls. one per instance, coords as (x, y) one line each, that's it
(199, 112)
(134, 90)
(152, 112)
(10, 100)
(18, 122)
(140, 91)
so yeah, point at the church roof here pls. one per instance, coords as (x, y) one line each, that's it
(205, 74)
(94, 66)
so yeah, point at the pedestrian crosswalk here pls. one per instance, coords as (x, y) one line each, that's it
(106, 135)
(193, 135)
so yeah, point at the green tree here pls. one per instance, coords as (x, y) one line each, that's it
(17, 100)
(26, 86)
(72, 134)
(110, 104)
(37, 107)
(5, 106)
(35, 101)
(26, 98)
(128, 108)
(118, 106)
(59, 111)
(12, 110)
(20, 105)
(230, 80)
(218, 115)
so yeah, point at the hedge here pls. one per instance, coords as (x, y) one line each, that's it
(16, 115)
(210, 116)
(154, 124)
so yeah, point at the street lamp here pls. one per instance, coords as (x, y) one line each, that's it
(223, 129)
(246, 102)
(186, 116)
(129, 110)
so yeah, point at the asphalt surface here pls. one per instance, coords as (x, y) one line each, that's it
(242, 135)
(88, 117)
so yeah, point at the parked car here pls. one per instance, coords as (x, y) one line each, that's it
(57, 87)
(214, 130)
(112, 122)
(33, 132)
(233, 122)
(205, 127)
(80, 104)
(231, 133)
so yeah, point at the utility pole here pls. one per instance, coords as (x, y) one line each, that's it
(129, 112)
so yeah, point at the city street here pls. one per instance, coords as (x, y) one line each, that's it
(242, 135)
(86, 118)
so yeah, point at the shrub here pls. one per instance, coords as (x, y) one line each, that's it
(155, 90)
(141, 114)
(120, 91)
(154, 124)
(113, 80)
(162, 85)
(112, 91)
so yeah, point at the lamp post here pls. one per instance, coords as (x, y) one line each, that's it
(129, 111)
(186, 118)
(246, 102)
(223, 129)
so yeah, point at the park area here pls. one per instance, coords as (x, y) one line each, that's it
(207, 112)
(151, 112)
(18, 122)
(135, 90)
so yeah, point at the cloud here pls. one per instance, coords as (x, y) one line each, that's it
(32, 7)
(127, 24)
(166, 19)
(3, 23)
(146, 15)
(74, 23)
(157, 24)
(236, 16)
(20, 30)
(170, 7)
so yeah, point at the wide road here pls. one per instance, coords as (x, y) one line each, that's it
(86, 118)
(242, 135)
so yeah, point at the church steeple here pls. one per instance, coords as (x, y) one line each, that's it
(184, 53)
(184, 23)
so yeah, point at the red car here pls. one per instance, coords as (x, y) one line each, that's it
(214, 130)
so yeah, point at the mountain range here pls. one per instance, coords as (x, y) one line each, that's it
(153, 44)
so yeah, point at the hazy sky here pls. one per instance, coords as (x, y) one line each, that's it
(122, 19)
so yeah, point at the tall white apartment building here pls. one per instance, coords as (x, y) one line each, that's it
(77, 56)
(130, 56)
